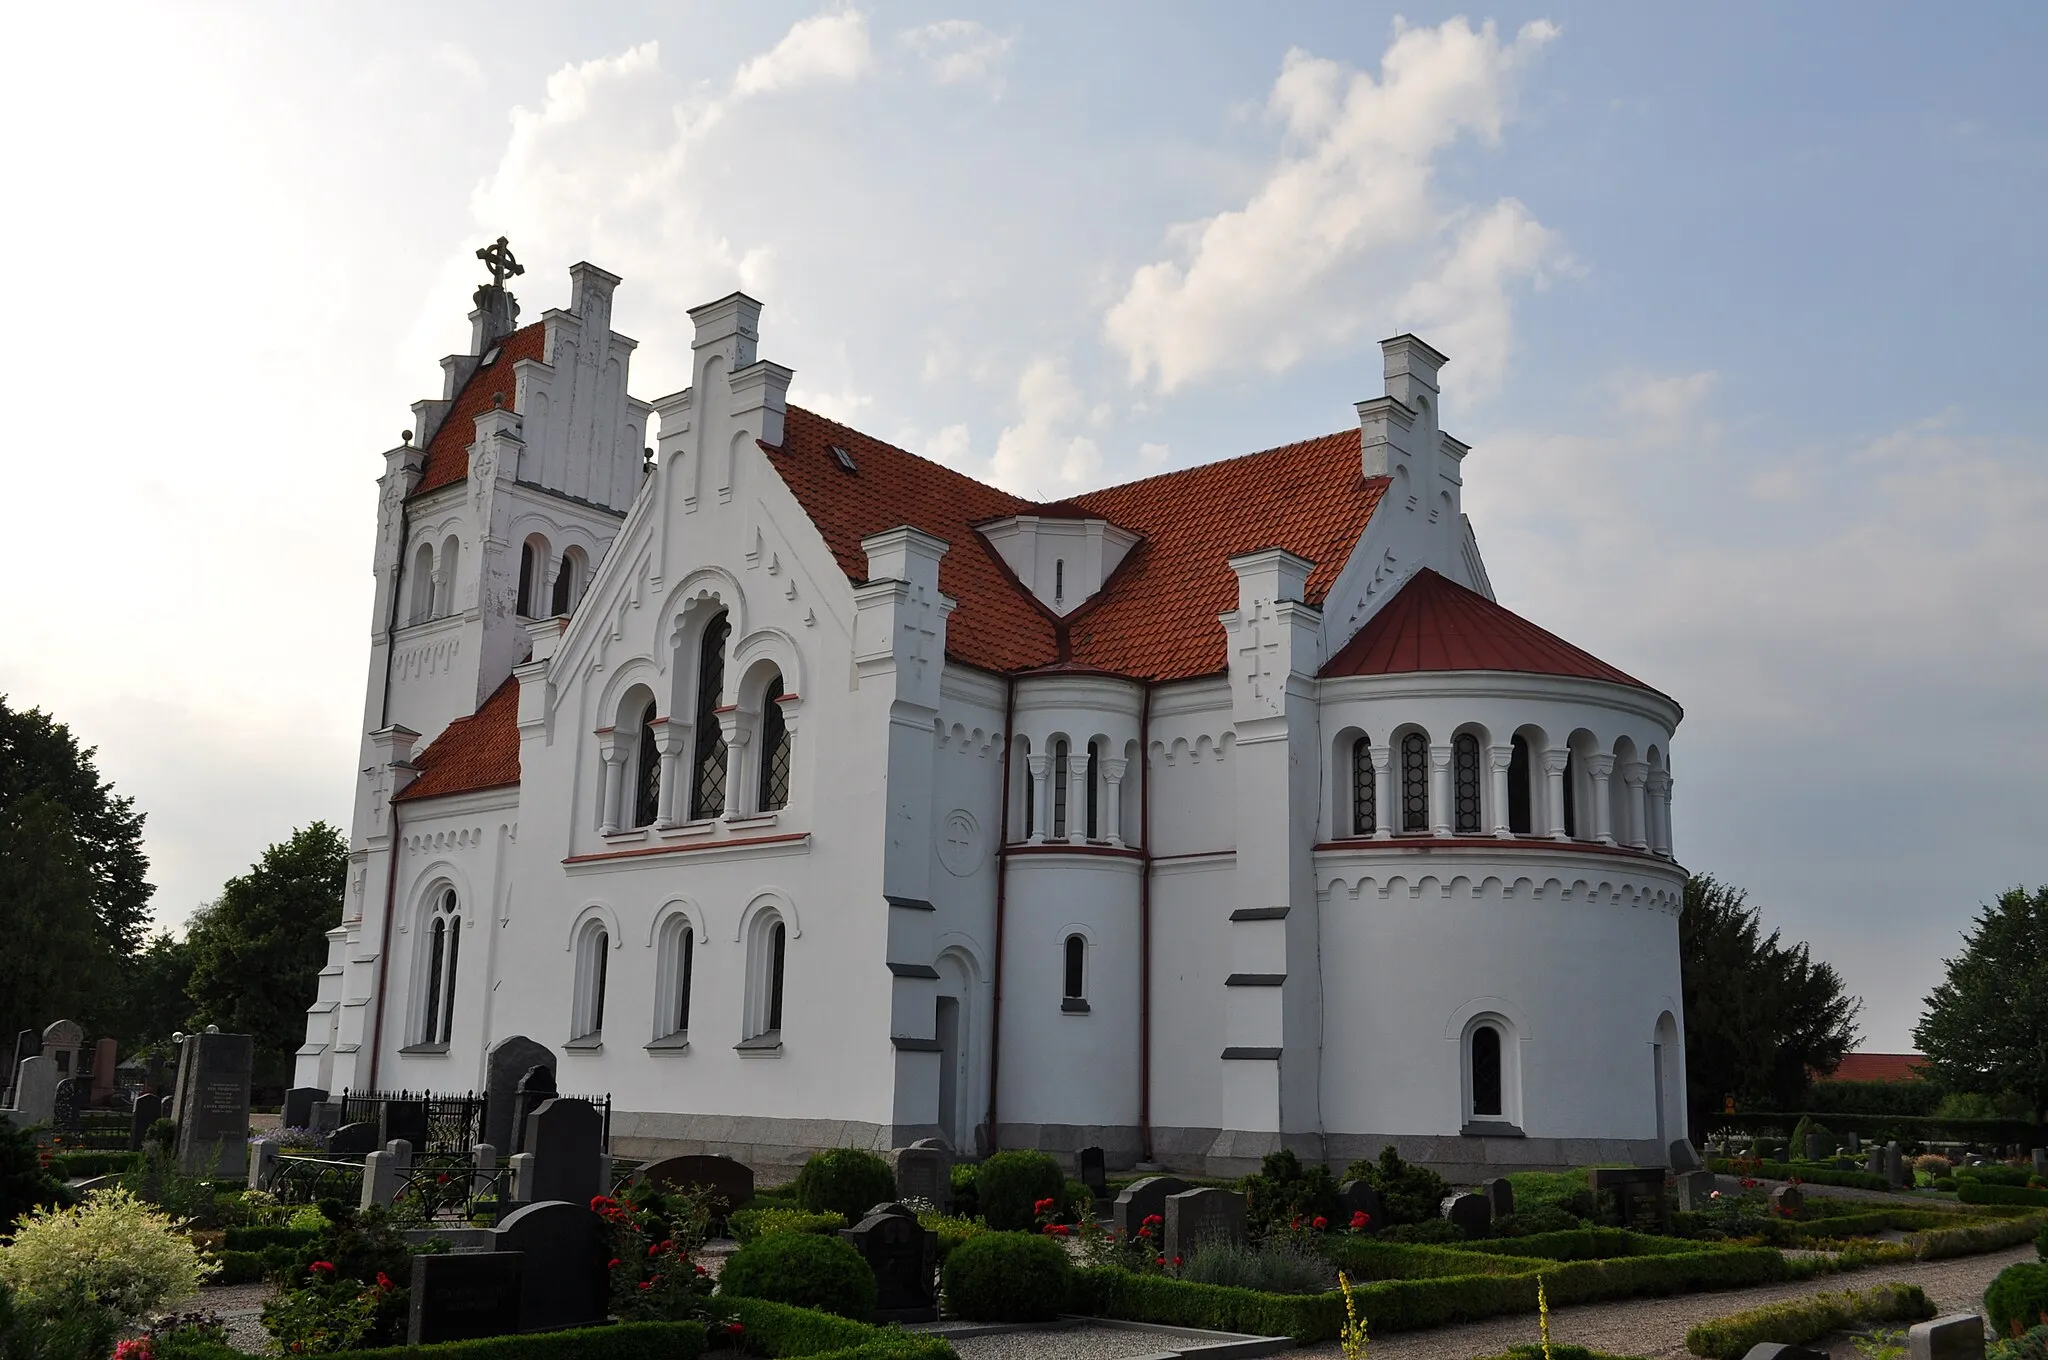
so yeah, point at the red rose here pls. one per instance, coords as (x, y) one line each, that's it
(322, 1267)
(1176, 1263)
(1359, 1220)
(614, 1264)
(1161, 1261)
(702, 1271)
(735, 1328)
(1320, 1223)
(647, 1284)
(383, 1280)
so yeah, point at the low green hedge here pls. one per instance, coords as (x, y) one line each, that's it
(780, 1331)
(79, 1165)
(1994, 1173)
(1105, 1291)
(1587, 1244)
(1805, 1171)
(1368, 1258)
(1798, 1321)
(623, 1341)
(256, 1239)
(751, 1225)
(1559, 1350)
(1984, 1192)
(1970, 1239)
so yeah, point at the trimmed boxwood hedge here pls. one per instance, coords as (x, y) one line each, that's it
(256, 1239)
(1805, 1171)
(1984, 1192)
(1797, 1321)
(1008, 1277)
(79, 1165)
(622, 1341)
(808, 1272)
(778, 1330)
(751, 1225)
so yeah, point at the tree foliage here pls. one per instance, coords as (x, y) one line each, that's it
(256, 954)
(1985, 1031)
(1760, 1016)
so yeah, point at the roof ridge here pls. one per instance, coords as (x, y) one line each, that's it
(1190, 469)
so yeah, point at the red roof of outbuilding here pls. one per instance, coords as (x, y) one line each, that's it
(1435, 624)
(448, 452)
(477, 752)
(1879, 1067)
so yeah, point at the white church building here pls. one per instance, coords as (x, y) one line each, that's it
(797, 791)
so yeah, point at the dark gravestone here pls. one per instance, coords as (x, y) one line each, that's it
(1873, 1163)
(458, 1296)
(1855, 1144)
(326, 1117)
(1787, 1201)
(71, 1098)
(1093, 1172)
(213, 1137)
(405, 1119)
(1957, 1336)
(509, 1059)
(905, 1258)
(1145, 1199)
(566, 1138)
(1500, 1196)
(1815, 1147)
(148, 1108)
(1695, 1190)
(353, 1140)
(732, 1182)
(1638, 1194)
(1196, 1217)
(1684, 1157)
(564, 1282)
(925, 1173)
(1471, 1213)
(536, 1088)
(1359, 1197)
(1772, 1350)
(298, 1106)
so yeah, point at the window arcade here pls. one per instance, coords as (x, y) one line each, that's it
(1465, 784)
(708, 767)
(774, 747)
(444, 945)
(1364, 789)
(1414, 783)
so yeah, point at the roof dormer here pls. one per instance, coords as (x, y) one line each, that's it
(1061, 559)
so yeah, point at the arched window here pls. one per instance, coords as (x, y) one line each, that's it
(1020, 760)
(1364, 789)
(1571, 802)
(524, 607)
(707, 787)
(778, 943)
(451, 558)
(565, 587)
(1465, 783)
(768, 946)
(1519, 820)
(1059, 789)
(1486, 1083)
(774, 747)
(647, 775)
(1414, 782)
(422, 585)
(1074, 973)
(593, 961)
(1094, 790)
(674, 970)
(686, 963)
(444, 949)
(1059, 580)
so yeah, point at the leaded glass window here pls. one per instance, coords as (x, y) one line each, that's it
(1094, 781)
(778, 940)
(444, 947)
(707, 788)
(1465, 783)
(1414, 782)
(1364, 789)
(774, 748)
(647, 780)
(1486, 1072)
(1059, 788)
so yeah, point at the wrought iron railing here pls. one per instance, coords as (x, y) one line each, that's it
(308, 1180)
(445, 1189)
(455, 1123)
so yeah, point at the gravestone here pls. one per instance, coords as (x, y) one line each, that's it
(925, 1173)
(458, 1296)
(105, 1057)
(1772, 1350)
(1815, 1147)
(326, 1117)
(1144, 1199)
(731, 1181)
(1684, 1157)
(508, 1060)
(519, 1178)
(1359, 1197)
(564, 1281)
(262, 1163)
(1895, 1166)
(298, 1106)
(1471, 1213)
(1202, 1215)
(148, 1108)
(1500, 1196)
(381, 1174)
(2041, 1161)
(905, 1257)
(536, 1088)
(61, 1042)
(1695, 1191)
(399, 1150)
(1093, 1172)
(1958, 1336)
(1787, 1200)
(353, 1140)
(1855, 1144)
(483, 1168)
(27, 1044)
(215, 1124)
(69, 1100)
(1638, 1193)
(1874, 1163)
(566, 1138)
(405, 1119)
(35, 1094)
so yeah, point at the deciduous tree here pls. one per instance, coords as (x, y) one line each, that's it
(1986, 1027)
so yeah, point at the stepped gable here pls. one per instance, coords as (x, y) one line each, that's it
(1435, 624)
(448, 454)
(477, 752)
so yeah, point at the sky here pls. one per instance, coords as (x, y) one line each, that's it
(1742, 303)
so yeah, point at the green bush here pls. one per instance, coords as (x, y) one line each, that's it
(256, 1239)
(778, 1330)
(70, 1328)
(79, 1165)
(1994, 1173)
(623, 1341)
(1537, 1218)
(1982, 1192)
(1945, 1182)
(1805, 1171)
(1008, 1184)
(952, 1230)
(1798, 1321)
(2018, 1295)
(2031, 1344)
(1008, 1277)
(825, 1273)
(966, 1194)
(1430, 1230)
(845, 1181)
(751, 1225)
(1970, 1239)
(1412, 1194)
(1283, 1192)
(24, 1185)
(1280, 1265)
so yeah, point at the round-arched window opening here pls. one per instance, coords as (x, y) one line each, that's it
(1486, 1094)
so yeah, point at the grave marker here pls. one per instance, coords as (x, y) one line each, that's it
(566, 1138)
(536, 1088)
(1358, 1197)
(1500, 1196)
(925, 1173)
(1815, 1148)
(298, 1106)
(1787, 1200)
(904, 1257)
(326, 1117)
(27, 1044)
(731, 1181)
(1143, 1199)
(214, 1125)
(1202, 1215)
(508, 1060)
(459, 1296)
(1471, 1213)
(68, 1100)
(2041, 1161)
(148, 1108)
(564, 1281)
(1092, 1171)
(61, 1042)
(1684, 1157)
(1958, 1336)
(1772, 1350)
(1695, 1191)
(1638, 1191)
(405, 1119)
(1895, 1166)
(35, 1093)
(262, 1163)
(353, 1140)
(105, 1056)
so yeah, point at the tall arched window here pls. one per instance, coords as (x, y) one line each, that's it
(1059, 789)
(707, 787)
(422, 585)
(1094, 790)
(778, 944)
(1571, 808)
(1486, 1084)
(774, 747)
(1414, 782)
(1465, 783)
(647, 774)
(593, 961)
(674, 969)
(444, 948)
(449, 563)
(565, 587)
(1059, 580)
(1020, 758)
(767, 960)
(1074, 973)
(1364, 790)
(524, 606)
(686, 964)
(1519, 820)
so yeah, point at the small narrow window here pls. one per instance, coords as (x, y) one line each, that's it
(1094, 789)
(1030, 797)
(1465, 779)
(707, 791)
(647, 781)
(777, 943)
(1486, 1103)
(448, 984)
(1059, 580)
(565, 587)
(603, 945)
(1059, 789)
(1364, 789)
(1571, 810)
(1519, 802)
(1414, 782)
(774, 748)
(1075, 971)
(686, 958)
(524, 607)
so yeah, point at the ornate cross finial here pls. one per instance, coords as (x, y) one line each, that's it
(497, 258)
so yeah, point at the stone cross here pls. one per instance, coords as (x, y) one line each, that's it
(497, 258)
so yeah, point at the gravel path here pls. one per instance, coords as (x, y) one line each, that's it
(1656, 1327)
(1068, 1343)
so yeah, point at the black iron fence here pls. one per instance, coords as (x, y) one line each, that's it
(308, 1180)
(453, 1123)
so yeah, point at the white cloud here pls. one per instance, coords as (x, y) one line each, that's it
(1152, 457)
(1349, 205)
(962, 52)
(824, 47)
(1038, 456)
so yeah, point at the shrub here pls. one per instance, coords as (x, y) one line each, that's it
(1008, 1277)
(349, 1284)
(1936, 1244)
(127, 1258)
(1798, 1321)
(1539, 1218)
(1429, 1230)
(1932, 1165)
(24, 1184)
(844, 1181)
(1284, 1191)
(1280, 1265)
(952, 1230)
(2019, 1296)
(1945, 1183)
(256, 1239)
(1981, 1192)
(79, 1165)
(751, 1225)
(966, 1194)
(809, 1272)
(2030, 1345)
(1412, 1194)
(1008, 1184)
(69, 1327)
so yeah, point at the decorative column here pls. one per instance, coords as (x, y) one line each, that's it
(1386, 814)
(614, 784)
(740, 774)
(1636, 833)
(674, 740)
(1440, 791)
(1498, 760)
(1080, 763)
(1659, 788)
(1041, 806)
(443, 586)
(1600, 767)
(1113, 805)
(1554, 762)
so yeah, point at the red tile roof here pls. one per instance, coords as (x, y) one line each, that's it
(448, 453)
(477, 752)
(1435, 624)
(1878, 1067)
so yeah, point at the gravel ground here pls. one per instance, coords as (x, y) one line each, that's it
(1068, 1343)
(1656, 1327)
(240, 1306)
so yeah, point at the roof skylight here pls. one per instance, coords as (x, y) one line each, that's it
(844, 459)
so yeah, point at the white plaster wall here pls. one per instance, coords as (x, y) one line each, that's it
(1191, 904)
